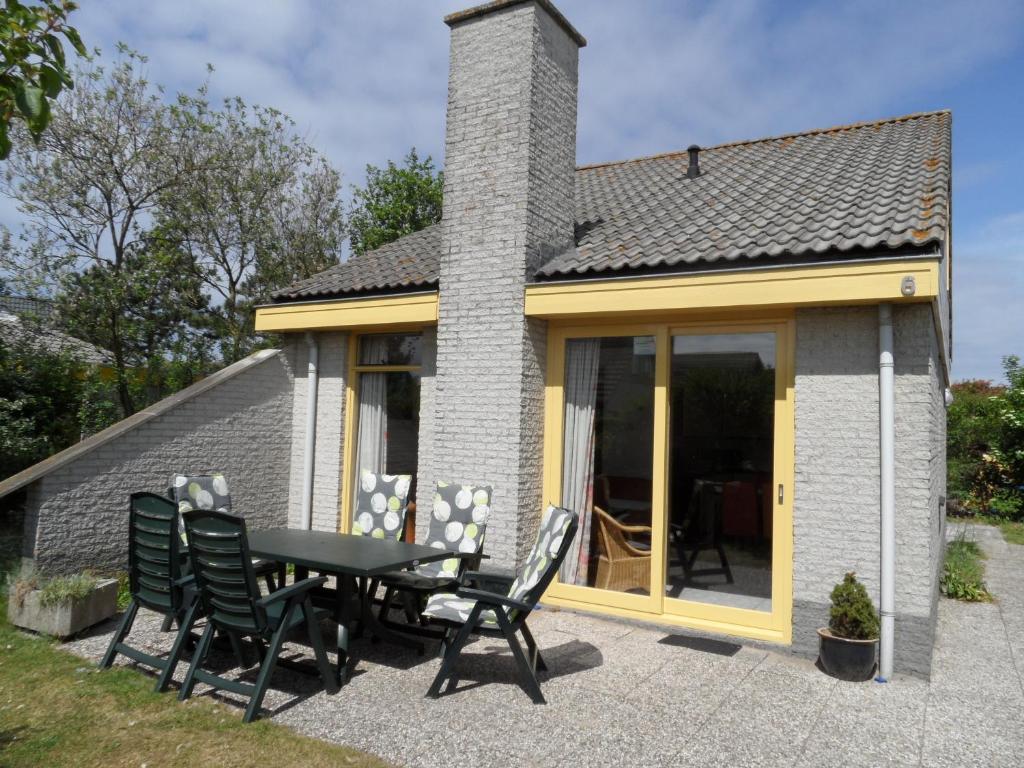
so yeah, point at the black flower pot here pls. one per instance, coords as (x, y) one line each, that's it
(846, 659)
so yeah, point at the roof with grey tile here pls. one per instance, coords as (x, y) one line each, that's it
(868, 189)
(408, 263)
(34, 327)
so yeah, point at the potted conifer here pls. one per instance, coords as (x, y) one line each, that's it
(847, 647)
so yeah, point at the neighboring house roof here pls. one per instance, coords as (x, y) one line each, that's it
(24, 305)
(15, 329)
(868, 189)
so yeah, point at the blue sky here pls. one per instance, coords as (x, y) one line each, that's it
(366, 81)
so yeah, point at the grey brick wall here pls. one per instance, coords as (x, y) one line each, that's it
(330, 427)
(77, 515)
(509, 166)
(836, 524)
(425, 480)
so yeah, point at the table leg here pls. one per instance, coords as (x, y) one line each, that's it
(344, 591)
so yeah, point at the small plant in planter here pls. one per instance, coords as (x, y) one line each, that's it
(847, 647)
(61, 606)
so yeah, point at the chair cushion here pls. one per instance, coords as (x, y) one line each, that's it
(458, 520)
(200, 492)
(448, 607)
(381, 505)
(550, 535)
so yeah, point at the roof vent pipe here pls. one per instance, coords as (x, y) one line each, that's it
(693, 170)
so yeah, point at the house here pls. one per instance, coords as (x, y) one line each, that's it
(739, 353)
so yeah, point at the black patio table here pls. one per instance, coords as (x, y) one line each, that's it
(350, 559)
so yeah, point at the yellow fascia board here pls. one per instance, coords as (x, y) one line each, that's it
(379, 311)
(814, 285)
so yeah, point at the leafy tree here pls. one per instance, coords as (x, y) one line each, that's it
(32, 64)
(1010, 407)
(260, 210)
(985, 444)
(89, 191)
(396, 201)
(39, 396)
(152, 302)
(972, 431)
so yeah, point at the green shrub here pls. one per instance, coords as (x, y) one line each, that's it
(963, 572)
(1007, 504)
(852, 614)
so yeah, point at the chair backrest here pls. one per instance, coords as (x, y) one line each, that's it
(705, 512)
(154, 559)
(457, 521)
(612, 538)
(381, 505)
(219, 550)
(204, 491)
(555, 534)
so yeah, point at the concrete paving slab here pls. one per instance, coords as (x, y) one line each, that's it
(625, 694)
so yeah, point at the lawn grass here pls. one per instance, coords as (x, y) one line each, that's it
(57, 709)
(963, 572)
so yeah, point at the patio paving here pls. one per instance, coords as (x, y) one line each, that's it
(622, 694)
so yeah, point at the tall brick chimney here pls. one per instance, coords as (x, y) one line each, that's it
(510, 160)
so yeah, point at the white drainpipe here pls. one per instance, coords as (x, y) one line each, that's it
(307, 468)
(887, 466)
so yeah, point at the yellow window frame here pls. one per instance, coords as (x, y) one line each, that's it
(351, 425)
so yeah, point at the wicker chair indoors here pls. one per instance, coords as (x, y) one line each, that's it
(623, 564)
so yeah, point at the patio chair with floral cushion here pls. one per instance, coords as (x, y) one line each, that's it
(210, 492)
(381, 505)
(458, 520)
(233, 604)
(503, 613)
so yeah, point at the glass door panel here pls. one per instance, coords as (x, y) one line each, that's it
(721, 462)
(608, 455)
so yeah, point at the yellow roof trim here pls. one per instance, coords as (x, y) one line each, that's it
(376, 312)
(812, 285)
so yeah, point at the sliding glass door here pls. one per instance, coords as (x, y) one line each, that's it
(609, 419)
(721, 468)
(674, 445)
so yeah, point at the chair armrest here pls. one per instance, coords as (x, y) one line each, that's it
(185, 580)
(633, 528)
(297, 589)
(495, 578)
(493, 598)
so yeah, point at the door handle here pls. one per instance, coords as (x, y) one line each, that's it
(782, 494)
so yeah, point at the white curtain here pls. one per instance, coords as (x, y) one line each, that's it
(372, 440)
(581, 372)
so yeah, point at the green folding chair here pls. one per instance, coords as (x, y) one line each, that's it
(232, 601)
(156, 583)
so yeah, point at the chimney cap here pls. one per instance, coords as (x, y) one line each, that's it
(453, 19)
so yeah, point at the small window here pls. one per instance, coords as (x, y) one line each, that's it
(390, 349)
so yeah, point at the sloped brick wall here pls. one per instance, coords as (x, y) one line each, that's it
(77, 514)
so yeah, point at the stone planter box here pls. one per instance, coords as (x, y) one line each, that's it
(66, 619)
